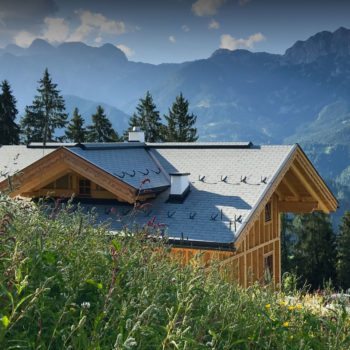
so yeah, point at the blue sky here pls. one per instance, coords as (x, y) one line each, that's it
(171, 30)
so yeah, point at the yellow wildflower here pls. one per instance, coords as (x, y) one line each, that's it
(286, 324)
(283, 303)
(299, 306)
(268, 306)
(291, 307)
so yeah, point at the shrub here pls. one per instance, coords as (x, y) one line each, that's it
(69, 284)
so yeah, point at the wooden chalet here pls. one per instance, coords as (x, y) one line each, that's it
(221, 199)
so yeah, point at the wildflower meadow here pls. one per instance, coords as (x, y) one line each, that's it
(66, 283)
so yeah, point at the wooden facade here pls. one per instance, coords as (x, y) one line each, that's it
(37, 178)
(257, 251)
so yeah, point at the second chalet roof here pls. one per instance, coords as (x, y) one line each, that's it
(130, 163)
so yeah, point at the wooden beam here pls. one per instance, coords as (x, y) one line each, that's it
(329, 200)
(100, 177)
(55, 164)
(297, 207)
(27, 183)
(290, 186)
(307, 183)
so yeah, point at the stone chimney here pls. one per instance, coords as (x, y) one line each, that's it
(179, 187)
(136, 135)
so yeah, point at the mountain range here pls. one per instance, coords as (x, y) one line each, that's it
(301, 96)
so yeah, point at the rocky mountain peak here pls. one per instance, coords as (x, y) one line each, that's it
(321, 44)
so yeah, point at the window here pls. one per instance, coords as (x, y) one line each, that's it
(268, 212)
(84, 187)
(63, 183)
(268, 268)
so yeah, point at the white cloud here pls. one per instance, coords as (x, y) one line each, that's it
(185, 28)
(24, 38)
(172, 39)
(214, 24)
(206, 7)
(56, 31)
(96, 22)
(231, 43)
(127, 50)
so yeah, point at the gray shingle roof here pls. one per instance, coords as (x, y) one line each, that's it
(15, 158)
(218, 209)
(130, 165)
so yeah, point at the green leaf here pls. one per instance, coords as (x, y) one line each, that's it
(98, 285)
(117, 245)
(5, 321)
(49, 257)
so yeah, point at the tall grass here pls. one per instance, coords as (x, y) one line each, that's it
(67, 284)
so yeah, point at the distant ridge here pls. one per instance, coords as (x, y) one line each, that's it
(321, 44)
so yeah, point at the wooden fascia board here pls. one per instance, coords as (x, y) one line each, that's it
(100, 177)
(311, 188)
(266, 195)
(330, 200)
(61, 159)
(28, 173)
(328, 204)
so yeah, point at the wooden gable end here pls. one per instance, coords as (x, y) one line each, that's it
(298, 188)
(56, 164)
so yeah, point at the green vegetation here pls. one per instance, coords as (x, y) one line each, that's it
(46, 114)
(309, 248)
(9, 130)
(76, 132)
(101, 129)
(66, 284)
(148, 119)
(180, 124)
(344, 251)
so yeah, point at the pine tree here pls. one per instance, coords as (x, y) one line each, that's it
(314, 250)
(180, 124)
(286, 243)
(147, 118)
(101, 129)
(9, 130)
(343, 245)
(46, 114)
(75, 130)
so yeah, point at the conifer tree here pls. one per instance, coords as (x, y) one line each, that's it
(9, 130)
(314, 250)
(101, 129)
(46, 114)
(75, 130)
(343, 243)
(180, 124)
(286, 242)
(148, 119)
